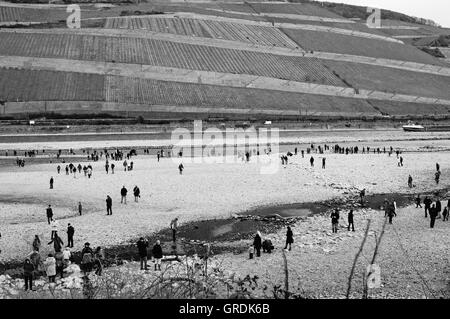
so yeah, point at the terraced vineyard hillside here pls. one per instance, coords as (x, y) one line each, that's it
(217, 58)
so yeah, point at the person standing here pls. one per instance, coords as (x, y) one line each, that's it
(99, 256)
(438, 208)
(106, 167)
(108, 205)
(80, 208)
(362, 194)
(157, 254)
(58, 169)
(50, 268)
(427, 202)
(350, 220)
(142, 246)
(181, 168)
(36, 243)
(54, 227)
(87, 258)
(323, 162)
(391, 211)
(49, 214)
(289, 238)
(112, 168)
(28, 270)
(70, 233)
(334, 220)
(311, 161)
(123, 194)
(257, 243)
(433, 215)
(174, 227)
(51, 182)
(137, 193)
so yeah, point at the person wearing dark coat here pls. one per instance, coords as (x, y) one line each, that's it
(123, 194)
(70, 233)
(157, 254)
(350, 220)
(445, 214)
(427, 202)
(289, 238)
(108, 205)
(28, 269)
(36, 243)
(57, 243)
(334, 221)
(49, 214)
(51, 182)
(390, 211)
(257, 244)
(418, 201)
(142, 246)
(137, 193)
(438, 206)
(433, 215)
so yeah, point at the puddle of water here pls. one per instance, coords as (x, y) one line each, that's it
(294, 212)
(218, 231)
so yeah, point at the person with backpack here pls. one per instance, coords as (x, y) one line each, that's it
(87, 258)
(49, 214)
(257, 243)
(28, 270)
(123, 194)
(108, 205)
(137, 193)
(50, 268)
(142, 246)
(289, 238)
(70, 233)
(157, 254)
(334, 220)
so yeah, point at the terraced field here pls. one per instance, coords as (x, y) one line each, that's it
(303, 9)
(337, 43)
(32, 85)
(204, 28)
(378, 78)
(14, 14)
(165, 53)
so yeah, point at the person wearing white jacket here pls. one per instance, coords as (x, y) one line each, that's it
(54, 227)
(50, 268)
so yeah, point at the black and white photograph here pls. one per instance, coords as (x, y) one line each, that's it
(246, 152)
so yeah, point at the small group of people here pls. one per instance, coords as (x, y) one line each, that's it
(433, 209)
(157, 253)
(124, 192)
(335, 216)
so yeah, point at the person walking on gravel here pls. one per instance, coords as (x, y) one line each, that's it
(51, 182)
(123, 194)
(108, 205)
(257, 244)
(418, 201)
(70, 233)
(410, 181)
(433, 215)
(445, 214)
(157, 254)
